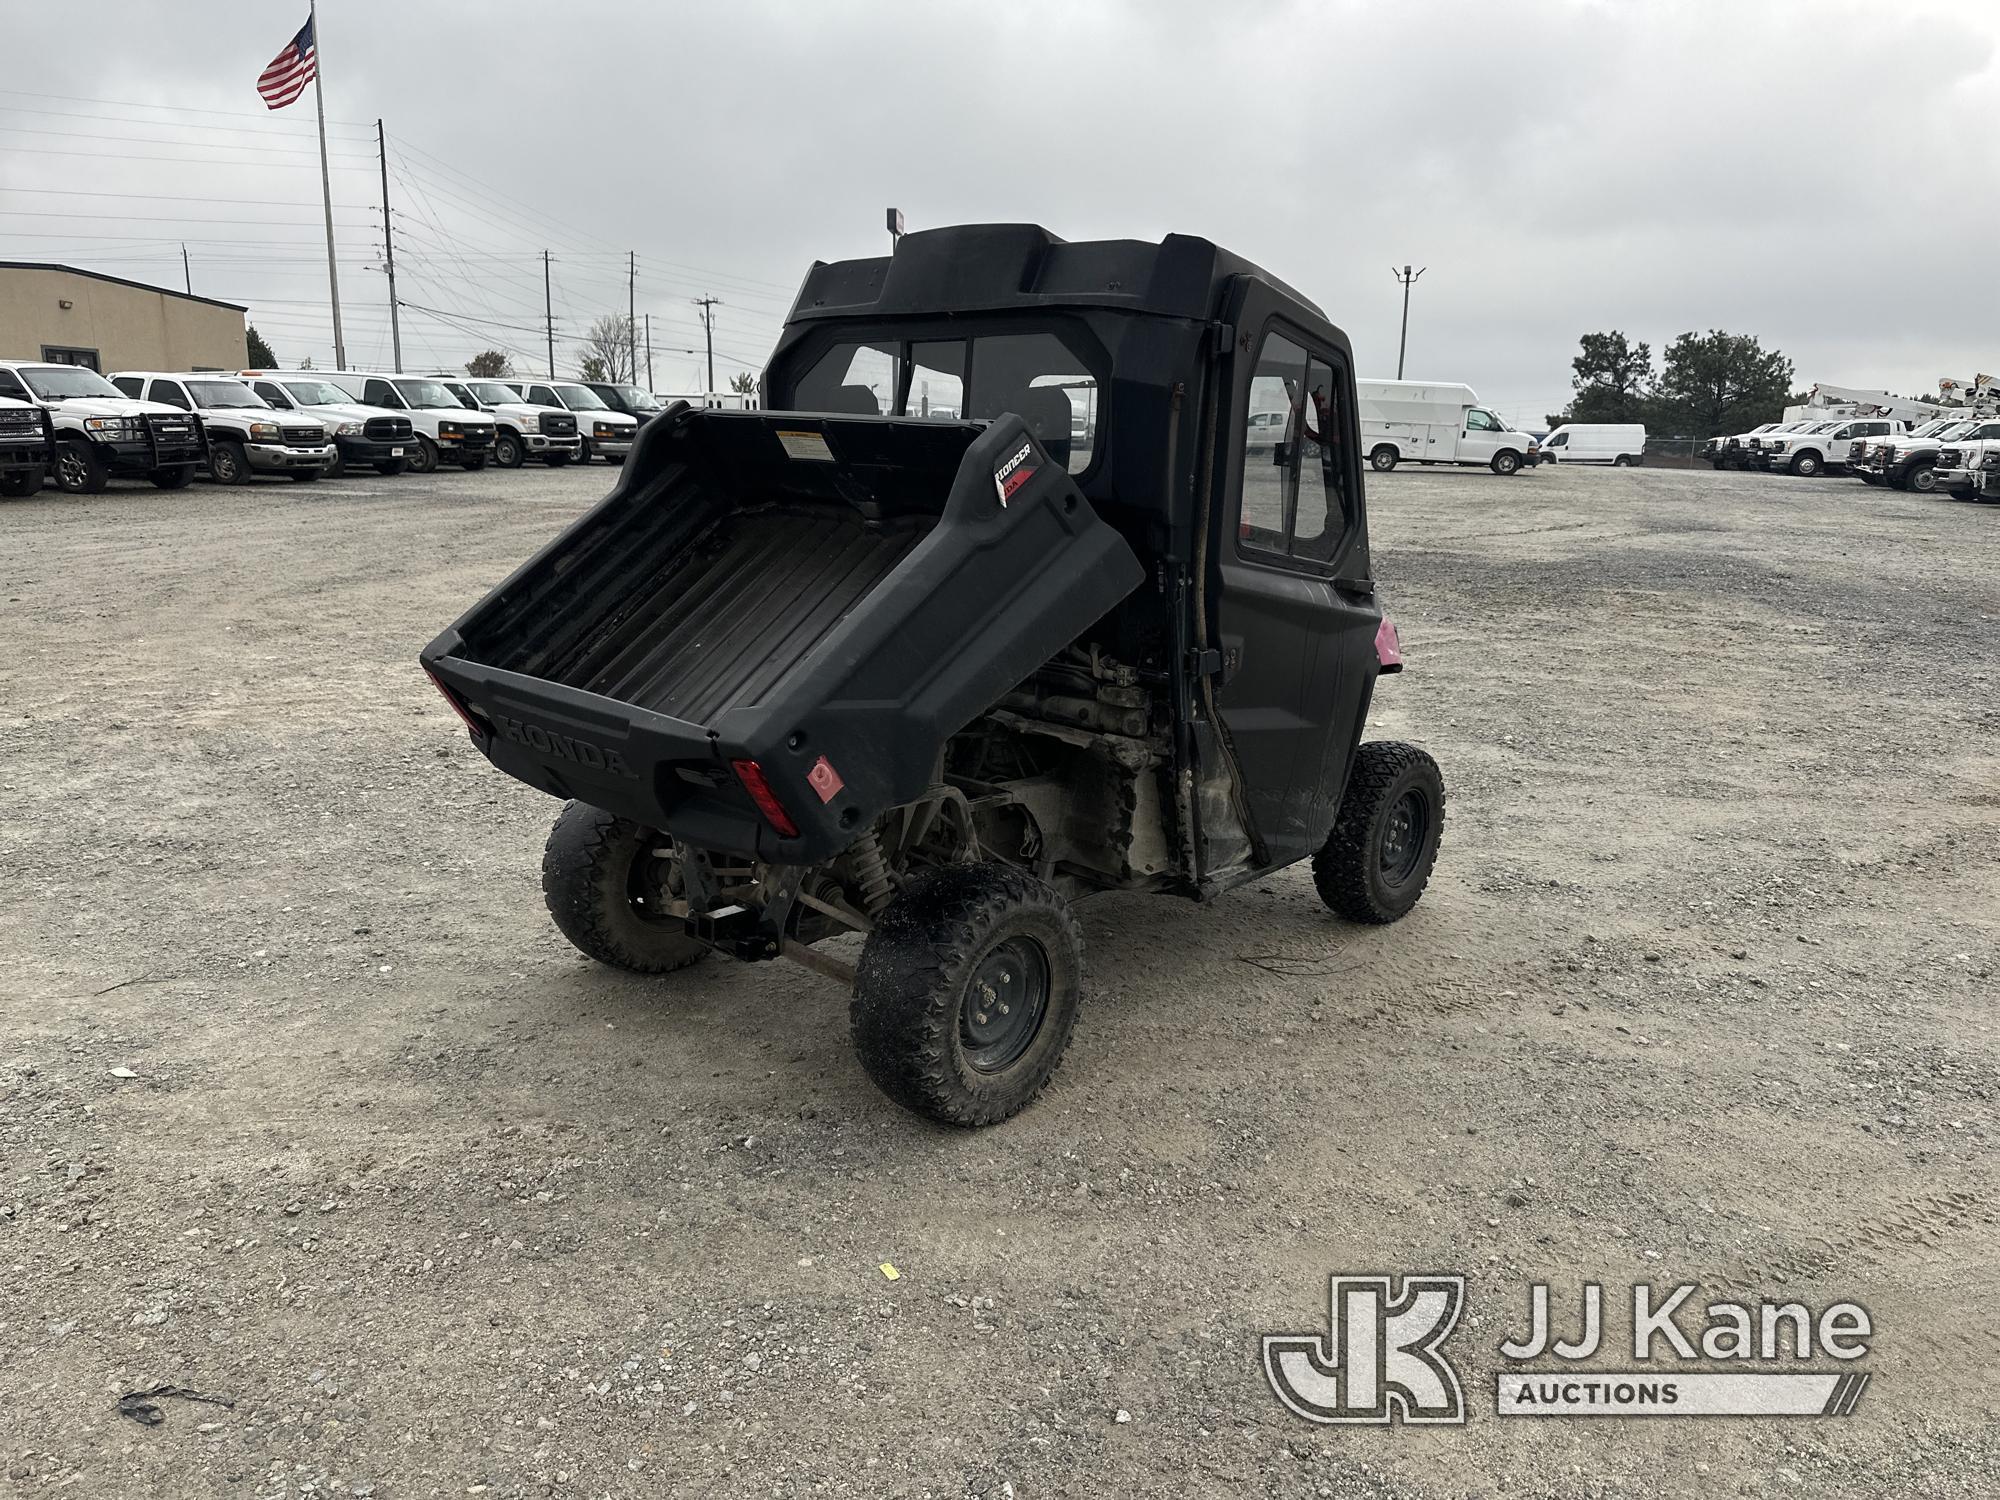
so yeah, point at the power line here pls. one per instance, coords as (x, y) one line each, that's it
(180, 109)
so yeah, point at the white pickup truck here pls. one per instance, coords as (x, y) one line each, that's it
(1823, 445)
(1969, 468)
(604, 433)
(1910, 462)
(447, 431)
(361, 434)
(525, 429)
(245, 437)
(101, 433)
(27, 447)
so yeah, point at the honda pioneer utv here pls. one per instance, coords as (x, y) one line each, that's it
(1003, 600)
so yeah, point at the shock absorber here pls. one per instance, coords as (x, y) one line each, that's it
(871, 873)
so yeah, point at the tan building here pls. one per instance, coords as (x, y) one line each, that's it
(63, 315)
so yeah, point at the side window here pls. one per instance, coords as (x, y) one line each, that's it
(541, 395)
(1560, 440)
(1295, 482)
(10, 385)
(170, 392)
(271, 393)
(381, 393)
(129, 384)
(1481, 421)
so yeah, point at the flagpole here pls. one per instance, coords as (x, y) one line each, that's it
(326, 188)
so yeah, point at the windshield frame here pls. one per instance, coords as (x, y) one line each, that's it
(401, 385)
(30, 373)
(569, 390)
(195, 385)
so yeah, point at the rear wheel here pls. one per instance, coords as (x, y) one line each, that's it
(610, 885)
(79, 470)
(1506, 461)
(16, 484)
(392, 466)
(1383, 459)
(967, 993)
(423, 455)
(226, 463)
(1378, 856)
(507, 451)
(174, 477)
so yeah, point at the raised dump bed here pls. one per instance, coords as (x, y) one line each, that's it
(763, 637)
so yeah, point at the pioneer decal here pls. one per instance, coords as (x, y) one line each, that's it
(1014, 473)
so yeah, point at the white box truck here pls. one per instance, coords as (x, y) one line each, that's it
(1620, 444)
(1425, 422)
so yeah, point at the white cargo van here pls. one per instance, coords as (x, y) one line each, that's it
(1618, 444)
(1419, 421)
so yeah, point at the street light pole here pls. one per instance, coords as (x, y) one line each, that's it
(1406, 276)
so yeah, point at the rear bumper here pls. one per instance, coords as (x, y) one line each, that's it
(281, 458)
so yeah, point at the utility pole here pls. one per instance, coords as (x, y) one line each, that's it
(632, 314)
(1406, 277)
(187, 272)
(649, 353)
(549, 314)
(708, 306)
(326, 188)
(389, 247)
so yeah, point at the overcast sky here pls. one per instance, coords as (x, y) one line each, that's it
(1824, 175)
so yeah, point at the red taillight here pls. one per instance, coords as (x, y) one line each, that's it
(473, 727)
(752, 776)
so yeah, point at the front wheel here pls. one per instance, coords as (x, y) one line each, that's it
(1622, 461)
(423, 455)
(1383, 459)
(508, 452)
(1506, 461)
(1922, 479)
(79, 471)
(1806, 465)
(583, 451)
(226, 463)
(967, 993)
(173, 477)
(1378, 856)
(611, 886)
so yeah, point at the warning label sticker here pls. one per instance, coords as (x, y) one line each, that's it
(807, 445)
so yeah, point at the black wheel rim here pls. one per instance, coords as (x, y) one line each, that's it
(71, 471)
(1404, 834)
(1004, 1005)
(224, 466)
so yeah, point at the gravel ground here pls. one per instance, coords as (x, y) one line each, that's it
(305, 1107)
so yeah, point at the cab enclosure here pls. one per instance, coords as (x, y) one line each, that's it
(1043, 556)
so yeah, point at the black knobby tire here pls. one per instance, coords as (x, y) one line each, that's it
(1383, 459)
(927, 1014)
(1378, 857)
(508, 452)
(79, 471)
(600, 875)
(18, 484)
(173, 477)
(226, 463)
(423, 455)
(391, 467)
(1506, 461)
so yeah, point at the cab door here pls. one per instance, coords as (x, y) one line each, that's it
(1480, 439)
(1294, 608)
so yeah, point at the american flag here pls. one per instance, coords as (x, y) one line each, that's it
(291, 70)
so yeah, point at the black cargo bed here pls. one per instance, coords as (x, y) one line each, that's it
(823, 600)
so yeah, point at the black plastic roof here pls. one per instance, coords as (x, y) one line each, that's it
(990, 267)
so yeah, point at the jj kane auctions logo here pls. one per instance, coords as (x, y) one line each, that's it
(1383, 1360)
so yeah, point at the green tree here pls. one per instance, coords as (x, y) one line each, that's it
(1715, 382)
(1610, 376)
(261, 357)
(490, 364)
(744, 383)
(590, 367)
